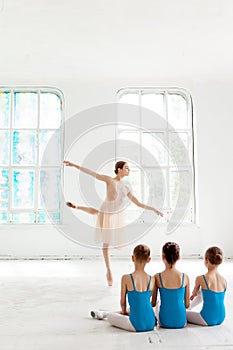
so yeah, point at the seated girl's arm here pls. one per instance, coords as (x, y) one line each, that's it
(196, 287)
(187, 292)
(123, 295)
(154, 293)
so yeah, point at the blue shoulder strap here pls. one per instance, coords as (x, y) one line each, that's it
(132, 281)
(149, 284)
(205, 281)
(160, 277)
(182, 280)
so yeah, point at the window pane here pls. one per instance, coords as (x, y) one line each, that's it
(153, 148)
(177, 111)
(178, 143)
(24, 218)
(187, 216)
(129, 135)
(50, 185)
(123, 148)
(23, 188)
(156, 185)
(50, 111)
(43, 217)
(136, 178)
(53, 154)
(177, 178)
(4, 178)
(4, 188)
(4, 147)
(129, 106)
(4, 196)
(132, 213)
(153, 102)
(5, 101)
(3, 217)
(24, 148)
(130, 98)
(25, 110)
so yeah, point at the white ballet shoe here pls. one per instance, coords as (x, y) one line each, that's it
(99, 314)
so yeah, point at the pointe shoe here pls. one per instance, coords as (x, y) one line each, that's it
(109, 277)
(70, 205)
(93, 314)
(99, 314)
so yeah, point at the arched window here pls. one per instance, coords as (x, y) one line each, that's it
(29, 119)
(169, 137)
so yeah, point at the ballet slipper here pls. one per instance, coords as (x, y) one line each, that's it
(70, 205)
(109, 277)
(99, 314)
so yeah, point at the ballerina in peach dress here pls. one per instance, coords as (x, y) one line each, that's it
(110, 215)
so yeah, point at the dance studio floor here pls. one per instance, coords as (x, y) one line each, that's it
(45, 305)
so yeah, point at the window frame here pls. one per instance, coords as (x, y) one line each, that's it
(190, 113)
(37, 166)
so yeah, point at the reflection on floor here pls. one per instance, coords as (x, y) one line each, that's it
(45, 305)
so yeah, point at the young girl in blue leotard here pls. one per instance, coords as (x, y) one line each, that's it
(173, 287)
(209, 289)
(138, 287)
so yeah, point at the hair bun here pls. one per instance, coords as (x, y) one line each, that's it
(214, 255)
(171, 251)
(141, 252)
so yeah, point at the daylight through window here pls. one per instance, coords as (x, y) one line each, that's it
(169, 139)
(28, 120)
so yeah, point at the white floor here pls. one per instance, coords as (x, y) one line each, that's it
(45, 305)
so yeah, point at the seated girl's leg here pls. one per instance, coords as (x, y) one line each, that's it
(157, 308)
(121, 321)
(195, 318)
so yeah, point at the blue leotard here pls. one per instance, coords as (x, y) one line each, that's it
(213, 310)
(172, 313)
(142, 315)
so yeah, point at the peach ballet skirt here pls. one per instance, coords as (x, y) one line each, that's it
(110, 219)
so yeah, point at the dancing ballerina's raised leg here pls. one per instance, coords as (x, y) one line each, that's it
(88, 210)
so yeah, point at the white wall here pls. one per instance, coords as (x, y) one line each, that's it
(91, 49)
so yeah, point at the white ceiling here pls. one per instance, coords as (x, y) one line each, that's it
(111, 38)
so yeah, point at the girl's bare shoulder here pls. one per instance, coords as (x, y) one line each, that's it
(125, 277)
(186, 279)
(153, 282)
(157, 279)
(200, 280)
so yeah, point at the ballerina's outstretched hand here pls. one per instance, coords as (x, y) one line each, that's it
(158, 212)
(67, 163)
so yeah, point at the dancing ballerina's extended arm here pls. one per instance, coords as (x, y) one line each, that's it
(144, 206)
(100, 177)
